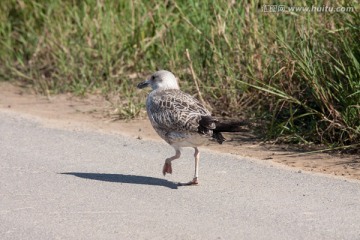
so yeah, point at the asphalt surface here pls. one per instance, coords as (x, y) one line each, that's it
(71, 184)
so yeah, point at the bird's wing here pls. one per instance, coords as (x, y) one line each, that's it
(174, 110)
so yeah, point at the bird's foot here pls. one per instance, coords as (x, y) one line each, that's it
(191, 183)
(167, 168)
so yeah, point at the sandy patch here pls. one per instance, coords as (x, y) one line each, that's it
(92, 112)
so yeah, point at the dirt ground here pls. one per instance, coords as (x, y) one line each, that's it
(92, 112)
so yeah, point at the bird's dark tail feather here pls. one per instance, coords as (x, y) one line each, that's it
(231, 126)
(228, 126)
(209, 124)
(218, 137)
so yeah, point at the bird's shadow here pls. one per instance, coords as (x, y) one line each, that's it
(123, 178)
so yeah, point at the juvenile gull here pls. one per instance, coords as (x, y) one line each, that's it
(178, 118)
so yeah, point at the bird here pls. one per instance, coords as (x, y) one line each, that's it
(179, 118)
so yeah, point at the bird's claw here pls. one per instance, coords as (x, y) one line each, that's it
(191, 183)
(167, 168)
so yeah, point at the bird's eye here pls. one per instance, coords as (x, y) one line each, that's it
(154, 78)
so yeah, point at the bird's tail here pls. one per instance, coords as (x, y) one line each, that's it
(229, 126)
(210, 125)
(218, 137)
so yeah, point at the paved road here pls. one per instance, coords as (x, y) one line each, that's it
(61, 184)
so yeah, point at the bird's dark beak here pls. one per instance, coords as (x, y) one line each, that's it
(143, 84)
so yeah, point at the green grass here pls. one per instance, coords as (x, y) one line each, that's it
(298, 72)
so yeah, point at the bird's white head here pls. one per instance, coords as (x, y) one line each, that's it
(160, 80)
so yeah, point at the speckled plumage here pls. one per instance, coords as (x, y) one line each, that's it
(175, 116)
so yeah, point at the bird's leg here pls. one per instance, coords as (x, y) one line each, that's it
(167, 166)
(197, 158)
(196, 175)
